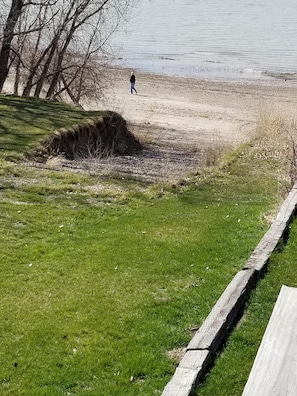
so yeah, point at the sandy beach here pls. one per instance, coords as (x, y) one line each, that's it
(197, 109)
(177, 118)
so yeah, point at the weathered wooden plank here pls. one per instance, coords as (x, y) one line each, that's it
(195, 359)
(274, 372)
(262, 253)
(224, 312)
(268, 243)
(288, 207)
(182, 383)
(189, 372)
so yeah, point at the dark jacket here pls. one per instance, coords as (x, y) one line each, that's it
(132, 79)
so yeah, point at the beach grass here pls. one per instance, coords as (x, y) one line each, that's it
(101, 280)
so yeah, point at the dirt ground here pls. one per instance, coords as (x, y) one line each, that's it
(184, 123)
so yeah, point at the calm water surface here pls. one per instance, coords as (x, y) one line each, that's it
(211, 38)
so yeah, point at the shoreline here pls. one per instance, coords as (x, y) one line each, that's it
(244, 76)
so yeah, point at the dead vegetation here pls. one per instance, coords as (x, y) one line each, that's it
(98, 138)
(147, 152)
(153, 156)
(276, 138)
(106, 146)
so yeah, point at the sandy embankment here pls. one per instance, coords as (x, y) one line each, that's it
(177, 117)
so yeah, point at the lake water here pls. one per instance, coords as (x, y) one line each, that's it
(211, 38)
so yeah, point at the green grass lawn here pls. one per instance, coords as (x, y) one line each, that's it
(23, 121)
(97, 285)
(232, 369)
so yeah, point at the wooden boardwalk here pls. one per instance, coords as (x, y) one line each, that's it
(274, 372)
(208, 339)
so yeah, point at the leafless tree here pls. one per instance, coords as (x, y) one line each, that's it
(8, 35)
(57, 46)
(11, 35)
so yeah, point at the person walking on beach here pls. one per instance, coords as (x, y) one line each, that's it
(132, 82)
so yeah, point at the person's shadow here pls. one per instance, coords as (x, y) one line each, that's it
(143, 96)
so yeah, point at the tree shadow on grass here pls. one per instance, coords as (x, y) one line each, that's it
(25, 120)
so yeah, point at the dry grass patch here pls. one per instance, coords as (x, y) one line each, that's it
(96, 138)
(276, 138)
(176, 354)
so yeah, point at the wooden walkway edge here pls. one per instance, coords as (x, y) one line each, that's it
(207, 341)
(275, 366)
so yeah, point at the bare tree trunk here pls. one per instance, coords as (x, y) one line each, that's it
(53, 49)
(42, 22)
(71, 95)
(33, 70)
(8, 34)
(57, 74)
(45, 69)
(17, 77)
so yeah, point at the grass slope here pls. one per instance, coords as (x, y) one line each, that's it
(22, 121)
(98, 284)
